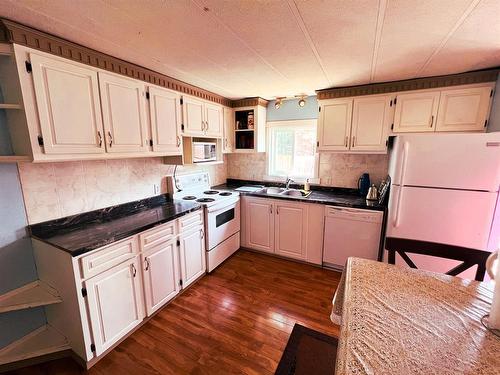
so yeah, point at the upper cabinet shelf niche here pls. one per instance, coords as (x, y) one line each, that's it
(249, 129)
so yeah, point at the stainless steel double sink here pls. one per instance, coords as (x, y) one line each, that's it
(282, 191)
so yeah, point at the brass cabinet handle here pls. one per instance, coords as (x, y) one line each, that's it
(134, 271)
(202, 233)
(100, 138)
(432, 121)
(271, 209)
(178, 141)
(146, 260)
(225, 140)
(110, 139)
(346, 141)
(353, 140)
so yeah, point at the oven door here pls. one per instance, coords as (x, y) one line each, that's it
(223, 220)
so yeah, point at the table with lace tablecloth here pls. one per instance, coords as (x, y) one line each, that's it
(406, 321)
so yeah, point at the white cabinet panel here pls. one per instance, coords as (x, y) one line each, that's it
(165, 114)
(123, 107)
(68, 104)
(416, 112)
(371, 120)
(193, 116)
(260, 224)
(334, 126)
(192, 254)
(161, 275)
(464, 109)
(115, 303)
(228, 137)
(291, 229)
(213, 120)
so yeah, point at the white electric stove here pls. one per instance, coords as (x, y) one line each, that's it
(222, 214)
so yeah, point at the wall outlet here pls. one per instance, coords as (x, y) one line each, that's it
(156, 189)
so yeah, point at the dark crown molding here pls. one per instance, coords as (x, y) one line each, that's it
(29, 37)
(479, 76)
(249, 102)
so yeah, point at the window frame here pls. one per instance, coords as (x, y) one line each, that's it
(309, 123)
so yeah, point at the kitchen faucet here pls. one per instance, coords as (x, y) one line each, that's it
(287, 183)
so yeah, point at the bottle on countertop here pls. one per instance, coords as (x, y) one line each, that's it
(307, 186)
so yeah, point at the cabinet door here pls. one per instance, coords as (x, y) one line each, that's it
(416, 112)
(192, 254)
(463, 110)
(291, 230)
(371, 120)
(193, 116)
(260, 224)
(67, 97)
(161, 275)
(228, 139)
(123, 108)
(165, 112)
(213, 120)
(334, 126)
(115, 303)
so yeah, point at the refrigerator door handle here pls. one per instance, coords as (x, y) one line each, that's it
(395, 222)
(402, 171)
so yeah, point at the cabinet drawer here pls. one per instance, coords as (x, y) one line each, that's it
(108, 257)
(190, 221)
(156, 236)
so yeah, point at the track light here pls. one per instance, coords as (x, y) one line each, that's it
(278, 103)
(302, 101)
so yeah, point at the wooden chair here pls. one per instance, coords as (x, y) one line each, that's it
(469, 257)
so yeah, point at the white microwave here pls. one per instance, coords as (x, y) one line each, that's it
(204, 152)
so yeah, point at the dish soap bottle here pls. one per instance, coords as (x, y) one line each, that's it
(307, 186)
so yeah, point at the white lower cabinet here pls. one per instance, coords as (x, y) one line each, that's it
(192, 256)
(161, 275)
(115, 303)
(286, 228)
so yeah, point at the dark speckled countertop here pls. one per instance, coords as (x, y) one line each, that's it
(323, 195)
(82, 233)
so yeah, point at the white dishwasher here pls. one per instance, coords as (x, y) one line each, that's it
(350, 232)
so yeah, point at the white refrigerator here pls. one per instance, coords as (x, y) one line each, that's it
(445, 189)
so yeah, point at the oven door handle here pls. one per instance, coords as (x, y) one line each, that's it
(226, 207)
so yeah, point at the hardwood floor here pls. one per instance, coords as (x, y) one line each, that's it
(234, 321)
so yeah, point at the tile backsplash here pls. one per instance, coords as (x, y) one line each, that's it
(54, 190)
(335, 169)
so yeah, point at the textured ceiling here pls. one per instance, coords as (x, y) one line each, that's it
(269, 48)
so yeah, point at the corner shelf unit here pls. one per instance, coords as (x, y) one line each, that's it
(30, 295)
(250, 129)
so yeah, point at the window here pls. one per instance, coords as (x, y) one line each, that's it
(291, 149)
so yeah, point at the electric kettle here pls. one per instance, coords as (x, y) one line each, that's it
(364, 184)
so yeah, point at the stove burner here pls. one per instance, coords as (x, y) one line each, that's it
(225, 194)
(210, 192)
(189, 197)
(205, 200)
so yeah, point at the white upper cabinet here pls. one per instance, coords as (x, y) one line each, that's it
(201, 118)
(213, 120)
(193, 116)
(228, 136)
(371, 120)
(124, 113)
(416, 112)
(165, 114)
(115, 303)
(68, 104)
(334, 126)
(161, 275)
(464, 109)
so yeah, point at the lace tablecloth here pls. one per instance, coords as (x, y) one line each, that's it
(405, 321)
